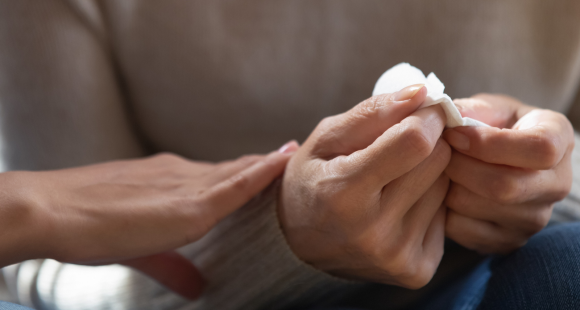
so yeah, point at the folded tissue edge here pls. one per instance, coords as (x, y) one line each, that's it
(403, 75)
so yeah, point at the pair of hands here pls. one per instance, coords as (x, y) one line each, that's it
(371, 194)
(373, 191)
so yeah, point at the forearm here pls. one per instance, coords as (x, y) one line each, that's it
(245, 259)
(24, 232)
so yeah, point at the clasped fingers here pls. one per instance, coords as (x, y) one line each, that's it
(496, 208)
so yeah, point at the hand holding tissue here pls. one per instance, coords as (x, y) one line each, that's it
(403, 75)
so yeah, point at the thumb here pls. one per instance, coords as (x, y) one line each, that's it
(542, 142)
(495, 110)
(521, 136)
(357, 128)
(172, 270)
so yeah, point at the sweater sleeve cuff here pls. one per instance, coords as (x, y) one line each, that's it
(250, 265)
(245, 259)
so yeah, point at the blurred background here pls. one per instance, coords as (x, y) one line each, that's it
(85, 81)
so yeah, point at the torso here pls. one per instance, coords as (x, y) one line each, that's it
(217, 79)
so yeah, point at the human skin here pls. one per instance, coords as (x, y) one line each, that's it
(505, 179)
(133, 212)
(366, 196)
(362, 198)
(345, 207)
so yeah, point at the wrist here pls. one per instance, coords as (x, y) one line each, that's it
(24, 221)
(307, 245)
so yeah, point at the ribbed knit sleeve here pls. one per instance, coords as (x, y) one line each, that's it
(245, 258)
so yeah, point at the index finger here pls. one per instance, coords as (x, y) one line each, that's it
(397, 150)
(232, 193)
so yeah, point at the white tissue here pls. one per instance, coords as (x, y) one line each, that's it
(403, 75)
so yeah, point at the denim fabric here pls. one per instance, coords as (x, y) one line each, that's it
(544, 274)
(465, 293)
(9, 306)
(473, 288)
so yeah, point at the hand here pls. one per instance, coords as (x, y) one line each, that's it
(362, 198)
(505, 178)
(131, 212)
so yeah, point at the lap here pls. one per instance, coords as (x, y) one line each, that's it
(544, 274)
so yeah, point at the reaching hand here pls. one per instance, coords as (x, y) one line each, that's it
(362, 198)
(134, 211)
(506, 178)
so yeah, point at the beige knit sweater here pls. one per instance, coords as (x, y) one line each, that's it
(85, 81)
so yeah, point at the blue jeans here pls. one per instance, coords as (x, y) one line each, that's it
(8, 306)
(544, 274)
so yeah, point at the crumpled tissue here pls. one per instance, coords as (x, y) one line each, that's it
(403, 75)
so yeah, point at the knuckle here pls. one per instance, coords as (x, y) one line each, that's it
(564, 186)
(442, 153)
(419, 272)
(168, 158)
(547, 148)
(249, 159)
(327, 122)
(372, 105)
(238, 182)
(398, 259)
(562, 193)
(416, 140)
(455, 199)
(439, 114)
(326, 129)
(419, 279)
(505, 189)
(537, 220)
(415, 274)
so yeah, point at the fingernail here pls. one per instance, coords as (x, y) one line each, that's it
(457, 140)
(289, 147)
(407, 92)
